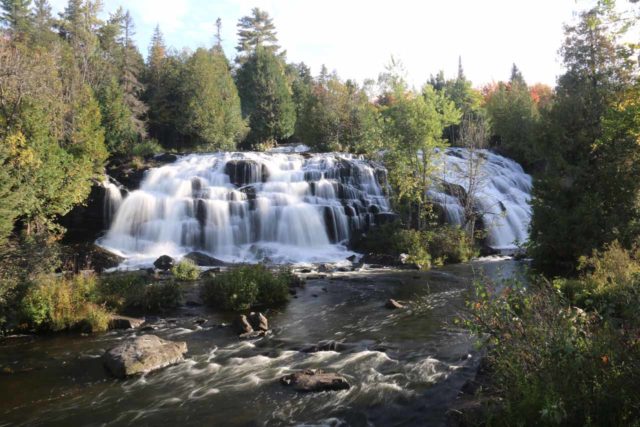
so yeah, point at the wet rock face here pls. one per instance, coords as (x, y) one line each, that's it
(143, 354)
(165, 262)
(313, 380)
(204, 260)
(244, 172)
(124, 322)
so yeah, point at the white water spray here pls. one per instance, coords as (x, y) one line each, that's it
(250, 206)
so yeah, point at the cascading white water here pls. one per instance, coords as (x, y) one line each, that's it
(249, 206)
(112, 200)
(500, 193)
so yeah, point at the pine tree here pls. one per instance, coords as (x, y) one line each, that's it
(256, 31)
(132, 66)
(16, 15)
(212, 119)
(266, 99)
(589, 192)
(514, 118)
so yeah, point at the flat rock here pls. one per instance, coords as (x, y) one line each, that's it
(204, 260)
(124, 322)
(143, 354)
(315, 380)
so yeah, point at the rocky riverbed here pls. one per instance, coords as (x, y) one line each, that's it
(403, 366)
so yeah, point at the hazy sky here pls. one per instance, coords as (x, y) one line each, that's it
(357, 37)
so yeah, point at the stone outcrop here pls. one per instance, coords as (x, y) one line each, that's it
(143, 354)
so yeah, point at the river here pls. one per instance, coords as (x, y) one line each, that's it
(405, 366)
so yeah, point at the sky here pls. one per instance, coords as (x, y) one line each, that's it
(357, 37)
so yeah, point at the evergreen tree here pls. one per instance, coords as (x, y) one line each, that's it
(212, 118)
(16, 15)
(266, 99)
(589, 192)
(43, 24)
(256, 31)
(514, 117)
(120, 134)
(163, 82)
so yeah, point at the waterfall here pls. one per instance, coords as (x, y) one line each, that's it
(112, 200)
(499, 190)
(289, 207)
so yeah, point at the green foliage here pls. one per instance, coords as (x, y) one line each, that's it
(436, 246)
(588, 195)
(16, 15)
(565, 354)
(146, 148)
(212, 118)
(514, 116)
(336, 116)
(59, 303)
(266, 99)
(413, 126)
(256, 31)
(127, 292)
(185, 270)
(246, 286)
(120, 135)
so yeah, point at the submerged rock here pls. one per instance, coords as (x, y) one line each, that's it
(393, 304)
(315, 380)
(143, 354)
(204, 260)
(124, 322)
(165, 262)
(328, 345)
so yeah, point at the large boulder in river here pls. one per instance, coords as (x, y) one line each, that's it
(258, 321)
(204, 260)
(143, 354)
(315, 380)
(165, 262)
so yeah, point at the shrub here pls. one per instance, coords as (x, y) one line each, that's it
(245, 286)
(146, 148)
(134, 291)
(450, 244)
(122, 291)
(557, 364)
(186, 270)
(439, 245)
(163, 296)
(63, 302)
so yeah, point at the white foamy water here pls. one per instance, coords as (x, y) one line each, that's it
(286, 207)
(502, 194)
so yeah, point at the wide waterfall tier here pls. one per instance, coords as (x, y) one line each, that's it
(250, 206)
(491, 186)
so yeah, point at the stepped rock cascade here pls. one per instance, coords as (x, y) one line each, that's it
(500, 193)
(286, 207)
